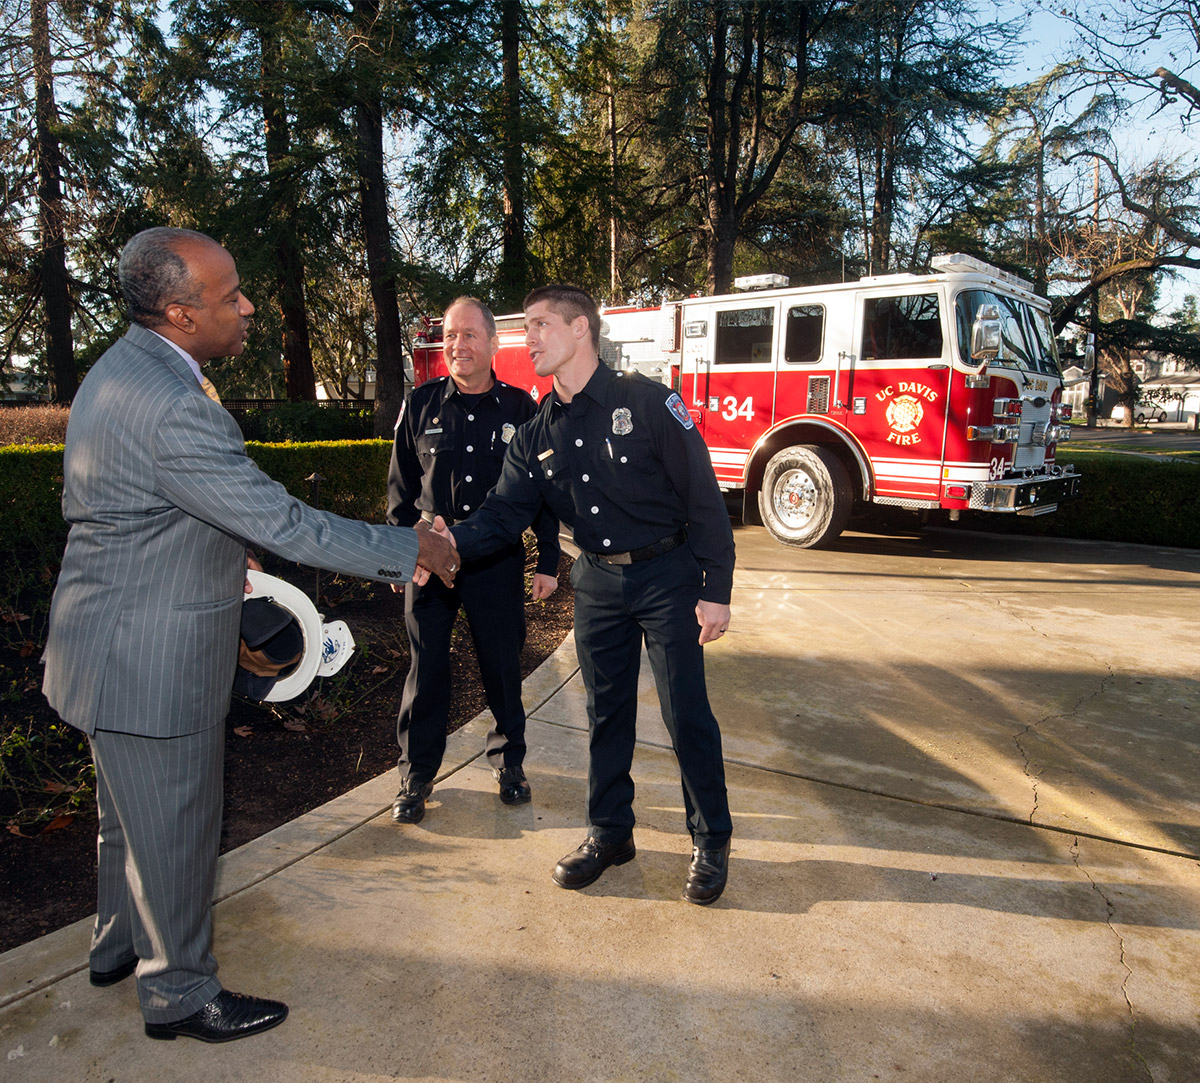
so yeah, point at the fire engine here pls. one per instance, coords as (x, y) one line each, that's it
(918, 391)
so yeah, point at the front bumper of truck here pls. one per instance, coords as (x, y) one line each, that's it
(1036, 494)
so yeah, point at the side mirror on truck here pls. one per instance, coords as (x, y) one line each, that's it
(985, 343)
(985, 334)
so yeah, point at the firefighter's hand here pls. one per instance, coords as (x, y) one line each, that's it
(713, 619)
(436, 555)
(544, 586)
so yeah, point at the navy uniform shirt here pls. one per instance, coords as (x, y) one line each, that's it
(624, 465)
(448, 452)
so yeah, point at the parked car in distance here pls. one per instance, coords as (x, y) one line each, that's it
(1142, 413)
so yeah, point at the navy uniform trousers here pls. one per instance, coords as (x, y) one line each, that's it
(491, 591)
(616, 606)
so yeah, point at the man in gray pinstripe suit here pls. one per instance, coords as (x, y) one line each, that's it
(143, 640)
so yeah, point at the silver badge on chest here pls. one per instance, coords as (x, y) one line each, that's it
(622, 421)
(508, 432)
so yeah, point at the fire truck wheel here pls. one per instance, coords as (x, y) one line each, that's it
(806, 496)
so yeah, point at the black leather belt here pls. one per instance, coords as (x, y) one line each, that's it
(654, 549)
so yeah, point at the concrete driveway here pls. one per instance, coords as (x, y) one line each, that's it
(963, 772)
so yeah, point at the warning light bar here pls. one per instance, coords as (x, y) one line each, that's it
(761, 282)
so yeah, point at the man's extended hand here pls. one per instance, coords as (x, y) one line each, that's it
(543, 586)
(436, 555)
(713, 619)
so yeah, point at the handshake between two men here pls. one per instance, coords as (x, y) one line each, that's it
(438, 556)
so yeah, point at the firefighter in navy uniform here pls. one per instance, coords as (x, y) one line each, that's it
(618, 458)
(447, 454)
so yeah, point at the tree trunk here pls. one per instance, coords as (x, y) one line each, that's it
(377, 235)
(884, 206)
(513, 275)
(721, 241)
(723, 147)
(614, 278)
(299, 378)
(1041, 271)
(746, 138)
(56, 292)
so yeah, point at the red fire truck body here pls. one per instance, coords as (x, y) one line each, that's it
(938, 391)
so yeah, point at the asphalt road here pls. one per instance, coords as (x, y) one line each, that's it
(1161, 436)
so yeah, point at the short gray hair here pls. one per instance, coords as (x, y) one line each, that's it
(153, 274)
(489, 320)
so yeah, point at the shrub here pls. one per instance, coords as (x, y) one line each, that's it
(304, 422)
(31, 519)
(353, 473)
(41, 424)
(1125, 498)
(45, 772)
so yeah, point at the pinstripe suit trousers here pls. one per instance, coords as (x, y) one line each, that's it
(159, 801)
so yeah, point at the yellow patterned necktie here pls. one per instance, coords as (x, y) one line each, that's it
(206, 385)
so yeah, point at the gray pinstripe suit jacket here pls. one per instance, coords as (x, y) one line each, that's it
(162, 501)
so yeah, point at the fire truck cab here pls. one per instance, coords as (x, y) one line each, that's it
(937, 391)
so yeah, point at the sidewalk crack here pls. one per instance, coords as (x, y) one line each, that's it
(1033, 771)
(1029, 774)
(1109, 910)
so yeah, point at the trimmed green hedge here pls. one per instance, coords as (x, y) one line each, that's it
(354, 473)
(304, 422)
(354, 484)
(1125, 498)
(31, 499)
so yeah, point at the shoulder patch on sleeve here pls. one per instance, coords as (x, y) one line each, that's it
(679, 411)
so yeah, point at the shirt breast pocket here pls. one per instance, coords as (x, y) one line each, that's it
(495, 454)
(626, 455)
(553, 471)
(429, 445)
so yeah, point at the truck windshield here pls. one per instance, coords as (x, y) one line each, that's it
(1027, 339)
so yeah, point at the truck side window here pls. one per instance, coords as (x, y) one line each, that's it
(900, 328)
(744, 336)
(805, 333)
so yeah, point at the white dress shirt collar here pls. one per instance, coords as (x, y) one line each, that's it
(182, 353)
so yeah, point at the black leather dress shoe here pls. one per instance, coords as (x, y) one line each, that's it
(225, 1018)
(514, 789)
(409, 806)
(104, 978)
(584, 866)
(707, 875)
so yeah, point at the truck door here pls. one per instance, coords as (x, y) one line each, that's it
(729, 350)
(902, 379)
